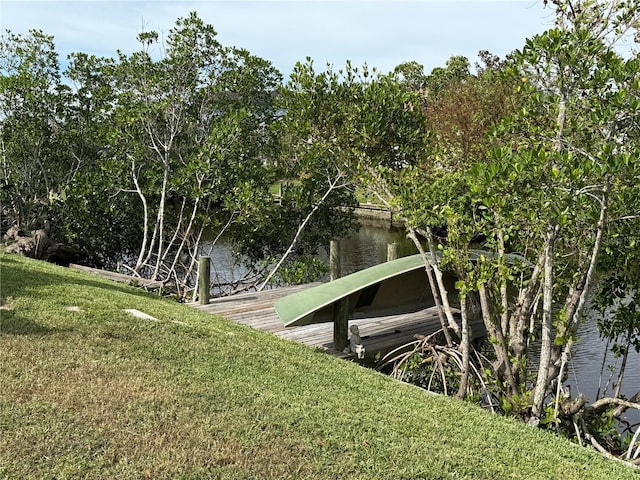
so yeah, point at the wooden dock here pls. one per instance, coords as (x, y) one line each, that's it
(379, 334)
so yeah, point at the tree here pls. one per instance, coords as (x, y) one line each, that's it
(342, 132)
(90, 108)
(411, 76)
(431, 192)
(53, 138)
(191, 131)
(545, 183)
(457, 70)
(574, 71)
(160, 148)
(35, 168)
(558, 169)
(463, 112)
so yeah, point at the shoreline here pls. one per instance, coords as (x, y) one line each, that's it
(372, 212)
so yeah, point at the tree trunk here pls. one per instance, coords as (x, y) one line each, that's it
(444, 295)
(578, 296)
(145, 212)
(432, 283)
(504, 299)
(503, 369)
(163, 200)
(547, 317)
(464, 347)
(623, 365)
(519, 319)
(186, 234)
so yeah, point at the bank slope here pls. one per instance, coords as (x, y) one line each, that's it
(90, 391)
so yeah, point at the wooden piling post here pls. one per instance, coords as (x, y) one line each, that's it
(392, 251)
(341, 307)
(204, 280)
(341, 324)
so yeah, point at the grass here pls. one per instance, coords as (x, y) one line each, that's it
(89, 391)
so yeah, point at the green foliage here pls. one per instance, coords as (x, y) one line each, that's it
(342, 131)
(137, 156)
(161, 148)
(604, 429)
(440, 79)
(411, 76)
(617, 300)
(157, 149)
(303, 270)
(197, 114)
(53, 148)
(354, 123)
(514, 405)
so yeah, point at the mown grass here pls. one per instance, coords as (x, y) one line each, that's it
(88, 391)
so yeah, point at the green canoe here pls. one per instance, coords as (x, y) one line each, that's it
(391, 288)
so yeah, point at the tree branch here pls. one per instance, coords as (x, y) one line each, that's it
(601, 405)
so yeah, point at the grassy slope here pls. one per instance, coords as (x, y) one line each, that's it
(97, 393)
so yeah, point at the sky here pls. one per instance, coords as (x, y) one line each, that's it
(382, 34)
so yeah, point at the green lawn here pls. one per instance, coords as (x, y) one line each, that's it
(89, 391)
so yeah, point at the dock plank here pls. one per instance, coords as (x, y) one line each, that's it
(119, 277)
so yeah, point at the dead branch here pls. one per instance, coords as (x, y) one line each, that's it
(601, 405)
(619, 410)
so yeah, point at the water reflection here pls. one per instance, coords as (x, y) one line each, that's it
(225, 269)
(368, 247)
(588, 358)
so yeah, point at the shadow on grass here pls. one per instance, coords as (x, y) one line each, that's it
(11, 324)
(16, 277)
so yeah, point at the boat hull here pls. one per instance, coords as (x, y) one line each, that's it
(392, 288)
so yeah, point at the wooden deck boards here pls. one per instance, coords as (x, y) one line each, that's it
(379, 334)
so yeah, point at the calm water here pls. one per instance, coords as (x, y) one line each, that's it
(588, 357)
(368, 247)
